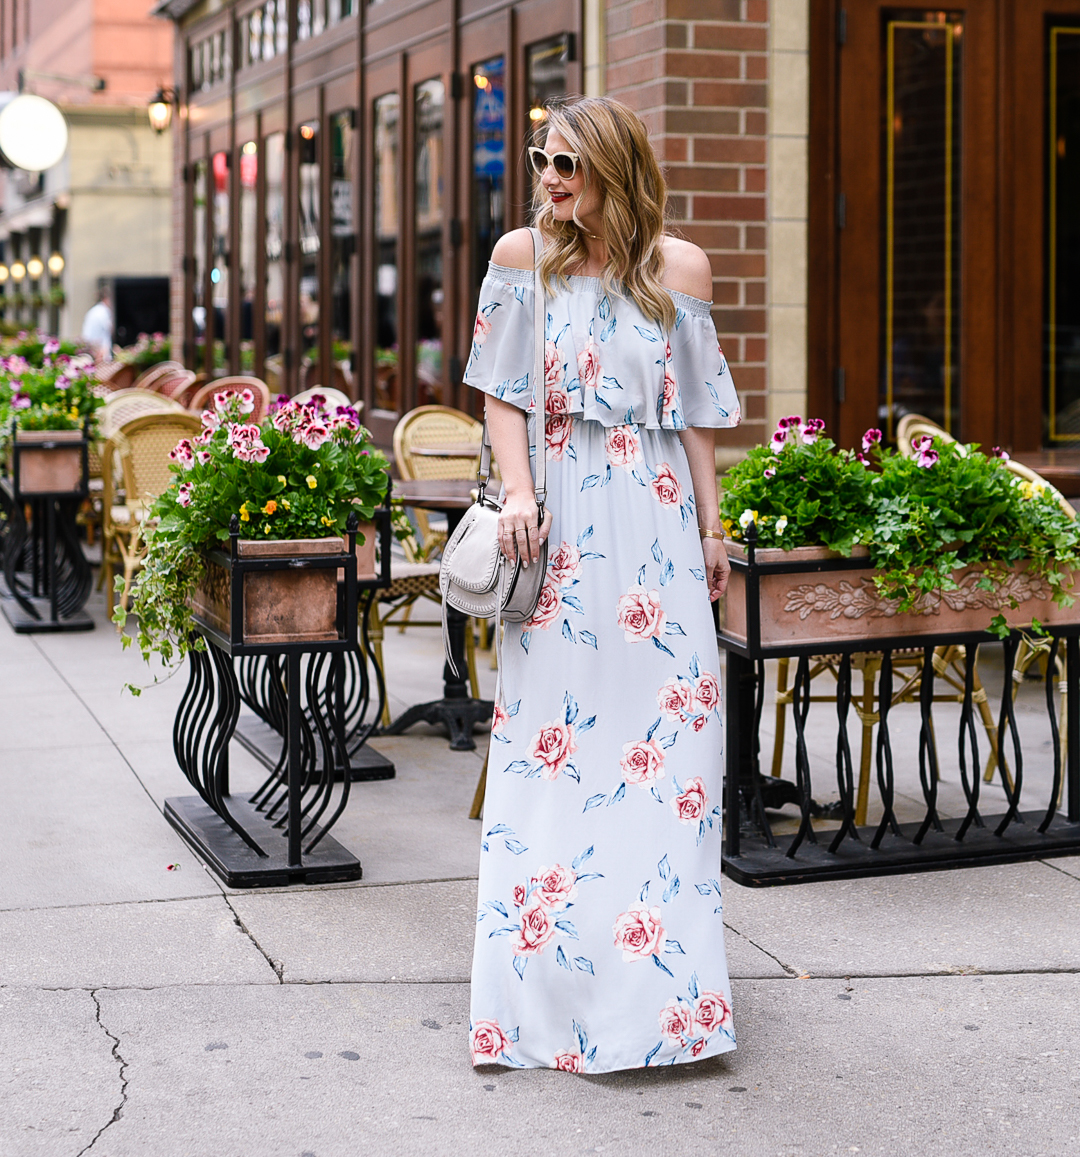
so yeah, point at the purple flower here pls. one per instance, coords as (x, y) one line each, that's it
(872, 437)
(770, 472)
(997, 452)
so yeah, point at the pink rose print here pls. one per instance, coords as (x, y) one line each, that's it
(711, 1011)
(623, 447)
(707, 692)
(498, 717)
(481, 329)
(642, 762)
(557, 431)
(698, 1047)
(676, 700)
(537, 928)
(557, 400)
(699, 723)
(553, 745)
(639, 933)
(671, 391)
(569, 1062)
(564, 565)
(676, 1022)
(552, 371)
(691, 804)
(666, 488)
(488, 1042)
(640, 615)
(547, 606)
(555, 887)
(588, 364)
(519, 895)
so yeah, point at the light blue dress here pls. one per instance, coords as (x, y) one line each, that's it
(599, 937)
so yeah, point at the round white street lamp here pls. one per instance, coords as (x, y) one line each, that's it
(33, 133)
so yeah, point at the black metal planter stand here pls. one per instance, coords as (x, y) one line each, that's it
(278, 835)
(47, 578)
(755, 856)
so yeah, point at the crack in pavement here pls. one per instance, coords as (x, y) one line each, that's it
(278, 968)
(118, 1112)
(772, 956)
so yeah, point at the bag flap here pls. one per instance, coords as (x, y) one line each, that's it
(471, 557)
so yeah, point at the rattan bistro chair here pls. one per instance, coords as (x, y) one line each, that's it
(142, 447)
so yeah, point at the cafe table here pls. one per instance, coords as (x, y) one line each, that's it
(457, 710)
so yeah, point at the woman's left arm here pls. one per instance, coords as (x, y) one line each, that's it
(699, 446)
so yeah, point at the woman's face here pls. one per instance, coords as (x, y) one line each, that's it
(566, 194)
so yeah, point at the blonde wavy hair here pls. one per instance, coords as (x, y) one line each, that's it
(617, 160)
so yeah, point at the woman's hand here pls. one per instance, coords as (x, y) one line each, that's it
(717, 567)
(519, 533)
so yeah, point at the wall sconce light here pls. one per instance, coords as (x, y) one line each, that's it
(18, 271)
(35, 267)
(56, 264)
(159, 110)
(5, 273)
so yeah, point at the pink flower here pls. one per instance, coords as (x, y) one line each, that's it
(203, 456)
(691, 803)
(622, 446)
(711, 1011)
(285, 415)
(556, 886)
(547, 606)
(699, 723)
(553, 745)
(183, 494)
(671, 390)
(707, 691)
(564, 564)
(557, 401)
(481, 329)
(588, 363)
(770, 471)
(211, 422)
(642, 762)
(487, 1042)
(676, 1022)
(927, 455)
(519, 895)
(247, 402)
(640, 615)
(569, 1062)
(997, 452)
(666, 488)
(183, 454)
(639, 933)
(810, 432)
(557, 431)
(778, 440)
(676, 699)
(498, 717)
(51, 346)
(312, 435)
(537, 929)
(872, 437)
(246, 443)
(222, 399)
(553, 369)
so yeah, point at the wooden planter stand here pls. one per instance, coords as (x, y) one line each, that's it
(809, 602)
(285, 601)
(46, 574)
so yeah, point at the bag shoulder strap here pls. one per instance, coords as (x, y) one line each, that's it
(539, 388)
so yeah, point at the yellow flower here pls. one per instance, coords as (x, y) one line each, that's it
(245, 514)
(270, 507)
(1026, 489)
(312, 481)
(266, 528)
(286, 504)
(326, 521)
(281, 479)
(781, 524)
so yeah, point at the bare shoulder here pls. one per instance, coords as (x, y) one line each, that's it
(514, 250)
(687, 269)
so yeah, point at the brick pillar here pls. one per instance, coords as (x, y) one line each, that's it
(696, 72)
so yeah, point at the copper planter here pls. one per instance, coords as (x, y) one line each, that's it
(49, 462)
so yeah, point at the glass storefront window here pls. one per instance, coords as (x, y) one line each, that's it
(309, 191)
(921, 238)
(488, 161)
(198, 269)
(1062, 295)
(249, 236)
(274, 175)
(545, 77)
(342, 241)
(429, 104)
(387, 159)
(219, 269)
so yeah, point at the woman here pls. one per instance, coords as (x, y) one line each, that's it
(599, 943)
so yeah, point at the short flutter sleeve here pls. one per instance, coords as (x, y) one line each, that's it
(705, 390)
(501, 361)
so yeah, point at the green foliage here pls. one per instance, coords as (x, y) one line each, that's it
(921, 518)
(45, 385)
(298, 475)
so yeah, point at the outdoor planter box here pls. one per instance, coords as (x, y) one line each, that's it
(814, 597)
(49, 462)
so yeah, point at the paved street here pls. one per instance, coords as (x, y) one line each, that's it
(148, 1011)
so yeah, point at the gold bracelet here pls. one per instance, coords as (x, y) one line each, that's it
(705, 533)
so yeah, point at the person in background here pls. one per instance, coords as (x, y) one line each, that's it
(97, 326)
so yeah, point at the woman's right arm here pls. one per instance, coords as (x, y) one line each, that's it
(518, 529)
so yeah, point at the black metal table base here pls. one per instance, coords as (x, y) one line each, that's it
(458, 716)
(238, 865)
(24, 622)
(365, 765)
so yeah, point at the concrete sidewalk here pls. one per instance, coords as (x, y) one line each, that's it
(150, 1012)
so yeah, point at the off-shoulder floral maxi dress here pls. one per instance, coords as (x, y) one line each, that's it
(599, 936)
